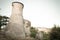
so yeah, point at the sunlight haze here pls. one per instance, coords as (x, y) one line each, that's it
(41, 13)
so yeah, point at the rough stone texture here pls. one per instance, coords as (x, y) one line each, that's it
(3, 36)
(15, 28)
(27, 25)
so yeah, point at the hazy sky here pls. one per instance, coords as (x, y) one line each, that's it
(41, 13)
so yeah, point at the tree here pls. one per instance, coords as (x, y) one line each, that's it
(45, 36)
(3, 20)
(33, 32)
(55, 33)
(0, 21)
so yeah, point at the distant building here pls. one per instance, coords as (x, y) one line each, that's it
(46, 30)
(41, 31)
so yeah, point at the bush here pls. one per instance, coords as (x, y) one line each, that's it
(55, 33)
(33, 32)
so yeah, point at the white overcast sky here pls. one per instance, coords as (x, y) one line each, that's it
(41, 13)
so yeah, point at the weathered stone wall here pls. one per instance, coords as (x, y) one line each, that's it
(15, 27)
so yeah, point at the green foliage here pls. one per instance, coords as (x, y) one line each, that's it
(55, 33)
(33, 32)
(3, 20)
(0, 17)
(0, 21)
(45, 36)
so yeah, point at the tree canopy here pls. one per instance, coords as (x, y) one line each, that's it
(3, 20)
(55, 33)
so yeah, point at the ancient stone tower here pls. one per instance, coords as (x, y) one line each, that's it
(15, 28)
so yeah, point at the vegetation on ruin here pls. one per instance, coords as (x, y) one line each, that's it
(33, 32)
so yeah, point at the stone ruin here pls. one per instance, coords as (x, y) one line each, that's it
(15, 28)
